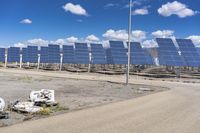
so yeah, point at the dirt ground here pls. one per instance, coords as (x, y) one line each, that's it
(173, 111)
(74, 94)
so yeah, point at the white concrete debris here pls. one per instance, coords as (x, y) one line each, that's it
(2, 104)
(145, 89)
(3, 114)
(43, 96)
(27, 107)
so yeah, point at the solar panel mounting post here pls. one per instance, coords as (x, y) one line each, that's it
(129, 42)
(20, 64)
(89, 65)
(6, 60)
(61, 61)
(38, 65)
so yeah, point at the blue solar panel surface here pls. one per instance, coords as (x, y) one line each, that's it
(109, 58)
(81, 53)
(24, 55)
(44, 55)
(139, 56)
(189, 52)
(2, 54)
(118, 53)
(30, 54)
(68, 54)
(168, 54)
(98, 54)
(198, 50)
(13, 54)
(53, 53)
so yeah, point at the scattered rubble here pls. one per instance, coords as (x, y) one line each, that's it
(26, 107)
(2, 105)
(43, 96)
(37, 100)
(146, 89)
(3, 113)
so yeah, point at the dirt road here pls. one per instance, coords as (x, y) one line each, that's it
(174, 111)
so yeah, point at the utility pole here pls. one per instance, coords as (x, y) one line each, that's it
(129, 42)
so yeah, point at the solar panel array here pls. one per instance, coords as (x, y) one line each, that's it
(189, 52)
(2, 54)
(118, 53)
(81, 53)
(68, 54)
(44, 55)
(30, 54)
(98, 54)
(139, 56)
(53, 53)
(13, 54)
(168, 54)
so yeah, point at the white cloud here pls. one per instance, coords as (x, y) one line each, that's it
(75, 9)
(111, 5)
(195, 39)
(149, 44)
(92, 38)
(135, 3)
(59, 42)
(19, 44)
(38, 42)
(142, 11)
(176, 8)
(72, 39)
(26, 21)
(163, 34)
(122, 35)
(116, 35)
(138, 35)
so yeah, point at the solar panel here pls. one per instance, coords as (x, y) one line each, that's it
(81, 53)
(118, 52)
(30, 54)
(109, 58)
(2, 54)
(44, 55)
(98, 54)
(140, 56)
(24, 55)
(13, 54)
(68, 54)
(198, 50)
(189, 52)
(168, 54)
(53, 53)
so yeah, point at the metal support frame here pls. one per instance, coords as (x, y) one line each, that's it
(61, 62)
(6, 60)
(89, 67)
(20, 61)
(38, 64)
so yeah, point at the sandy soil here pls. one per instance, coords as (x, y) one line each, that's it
(174, 111)
(74, 94)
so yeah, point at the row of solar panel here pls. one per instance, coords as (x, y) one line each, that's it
(169, 55)
(185, 54)
(116, 54)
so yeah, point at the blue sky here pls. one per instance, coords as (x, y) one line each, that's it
(36, 21)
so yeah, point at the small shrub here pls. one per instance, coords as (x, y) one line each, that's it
(45, 111)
